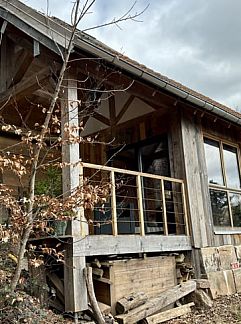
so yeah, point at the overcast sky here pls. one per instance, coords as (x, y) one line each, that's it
(195, 42)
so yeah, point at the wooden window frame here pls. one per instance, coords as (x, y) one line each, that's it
(224, 188)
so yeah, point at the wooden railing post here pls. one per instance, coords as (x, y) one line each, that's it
(185, 210)
(139, 176)
(113, 204)
(84, 227)
(164, 211)
(140, 205)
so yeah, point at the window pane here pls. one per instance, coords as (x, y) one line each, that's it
(213, 161)
(220, 211)
(231, 166)
(235, 201)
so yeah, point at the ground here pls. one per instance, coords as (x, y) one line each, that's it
(22, 308)
(224, 310)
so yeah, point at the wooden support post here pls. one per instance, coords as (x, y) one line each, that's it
(70, 152)
(113, 204)
(140, 205)
(74, 283)
(75, 291)
(164, 208)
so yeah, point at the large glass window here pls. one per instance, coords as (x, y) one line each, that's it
(224, 182)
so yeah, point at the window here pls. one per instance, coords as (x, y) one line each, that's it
(224, 183)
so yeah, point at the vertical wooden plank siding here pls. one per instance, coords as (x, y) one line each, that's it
(164, 211)
(185, 210)
(140, 205)
(113, 204)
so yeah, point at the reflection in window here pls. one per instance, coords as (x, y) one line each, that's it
(213, 161)
(220, 210)
(223, 169)
(231, 166)
(235, 202)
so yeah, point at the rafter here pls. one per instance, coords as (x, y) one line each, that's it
(25, 87)
(23, 62)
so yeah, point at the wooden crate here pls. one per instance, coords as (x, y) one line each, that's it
(151, 275)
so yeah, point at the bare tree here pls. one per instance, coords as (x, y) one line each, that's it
(31, 209)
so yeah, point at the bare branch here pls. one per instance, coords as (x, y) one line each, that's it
(125, 17)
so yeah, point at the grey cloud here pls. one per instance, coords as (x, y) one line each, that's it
(198, 43)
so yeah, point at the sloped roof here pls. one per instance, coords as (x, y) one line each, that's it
(56, 34)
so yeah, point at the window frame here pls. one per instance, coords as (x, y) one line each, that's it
(224, 188)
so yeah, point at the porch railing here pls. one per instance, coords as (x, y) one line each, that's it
(137, 203)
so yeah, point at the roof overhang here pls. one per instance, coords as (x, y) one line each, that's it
(55, 36)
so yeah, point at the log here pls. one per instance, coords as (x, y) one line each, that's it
(91, 293)
(201, 299)
(156, 304)
(98, 272)
(168, 314)
(129, 302)
(96, 264)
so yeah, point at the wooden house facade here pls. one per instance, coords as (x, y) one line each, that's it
(172, 155)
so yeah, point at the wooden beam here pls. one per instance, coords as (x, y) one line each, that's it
(125, 244)
(25, 88)
(23, 62)
(169, 314)
(124, 108)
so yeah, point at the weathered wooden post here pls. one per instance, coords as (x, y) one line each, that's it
(74, 281)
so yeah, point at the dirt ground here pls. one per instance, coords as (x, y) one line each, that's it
(224, 310)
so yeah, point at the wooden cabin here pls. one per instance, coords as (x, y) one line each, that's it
(171, 154)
